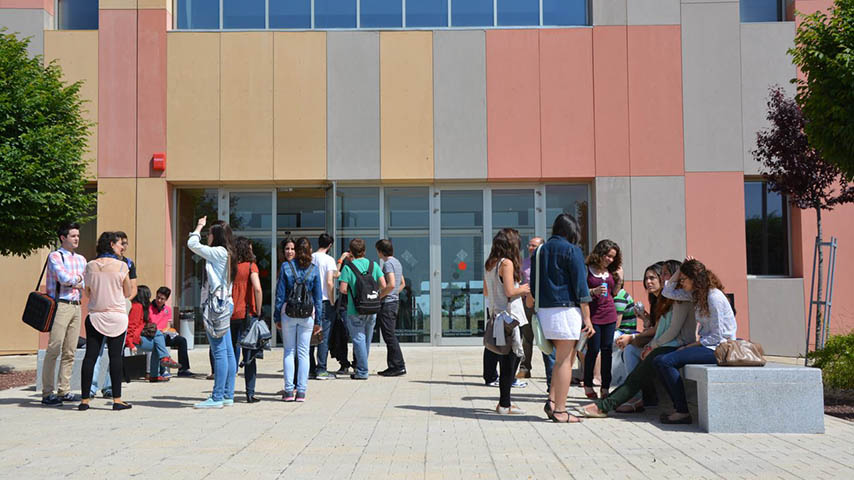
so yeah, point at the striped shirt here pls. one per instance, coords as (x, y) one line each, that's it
(67, 269)
(625, 305)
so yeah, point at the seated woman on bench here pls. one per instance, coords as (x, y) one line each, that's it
(144, 335)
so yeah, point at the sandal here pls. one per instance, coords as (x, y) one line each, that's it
(590, 393)
(589, 414)
(549, 410)
(635, 406)
(569, 418)
(603, 392)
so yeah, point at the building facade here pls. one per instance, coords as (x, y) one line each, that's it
(436, 123)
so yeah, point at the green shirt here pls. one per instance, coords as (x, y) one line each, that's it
(625, 305)
(348, 277)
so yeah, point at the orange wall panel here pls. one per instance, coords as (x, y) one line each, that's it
(513, 104)
(151, 232)
(611, 100)
(406, 105)
(566, 103)
(117, 92)
(714, 210)
(151, 101)
(117, 208)
(655, 100)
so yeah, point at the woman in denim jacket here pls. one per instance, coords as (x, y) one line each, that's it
(296, 332)
(563, 298)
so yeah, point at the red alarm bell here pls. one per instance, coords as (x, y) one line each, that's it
(158, 161)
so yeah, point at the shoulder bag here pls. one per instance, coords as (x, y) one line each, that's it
(545, 345)
(41, 307)
(218, 307)
(501, 341)
(740, 353)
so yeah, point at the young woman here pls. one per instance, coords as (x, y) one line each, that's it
(502, 290)
(220, 270)
(563, 299)
(138, 337)
(602, 263)
(296, 332)
(248, 297)
(694, 283)
(108, 286)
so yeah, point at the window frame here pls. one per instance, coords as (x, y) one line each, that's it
(788, 217)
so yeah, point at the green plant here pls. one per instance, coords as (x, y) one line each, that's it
(836, 361)
(42, 140)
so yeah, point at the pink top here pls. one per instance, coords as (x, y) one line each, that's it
(161, 318)
(107, 304)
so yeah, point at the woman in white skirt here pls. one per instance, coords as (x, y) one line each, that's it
(563, 313)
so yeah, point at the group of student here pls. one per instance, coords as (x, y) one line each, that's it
(581, 300)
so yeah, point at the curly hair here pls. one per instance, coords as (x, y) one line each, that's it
(704, 280)
(600, 250)
(303, 252)
(243, 250)
(505, 244)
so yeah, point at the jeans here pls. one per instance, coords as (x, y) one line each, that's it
(323, 347)
(180, 343)
(388, 321)
(250, 370)
(601, 341)
(361, 328)
(642, 377)
(225, 367)
(527, 332)
(549, 361)
(157, 347)
(668, 371)
(296, 334)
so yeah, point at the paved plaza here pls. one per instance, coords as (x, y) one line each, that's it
(438, 421)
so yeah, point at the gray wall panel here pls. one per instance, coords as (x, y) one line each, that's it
(777, 314)
(26, 22)
(614, 217)
(353, 105)
(764, 62)
(658, 220)
(711, 87)
(652, 12)
(609, 12)
(459, 104)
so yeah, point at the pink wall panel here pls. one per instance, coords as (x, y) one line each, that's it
(151, 101)
(566, 103)
(714, 210)
(46, 5)
(117, 99)
(611, 100)
(655, 100)
(513, 104)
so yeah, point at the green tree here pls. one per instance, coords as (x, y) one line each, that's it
(42, 141)
(824, 51)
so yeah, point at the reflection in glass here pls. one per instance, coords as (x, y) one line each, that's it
(358, 208)
(250, 211)
(335, 13)
(381, 13)
(290, 13)
(427, 13)
(78, 15)
(514, 209)
(565, 12)
(264, 258)
(767, 230)
(462, 263)
(243, 13)
(762, 10)
(198, 14)
(301, 208)
(571, 199)
(519, 12)
(472, 13)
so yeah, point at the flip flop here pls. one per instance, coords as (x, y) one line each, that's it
(569, 418)
(586, 413)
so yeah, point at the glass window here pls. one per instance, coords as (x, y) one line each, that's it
(571, 199)
(358, 208)
(290, 13)
(565, 12)
(198, 14)
(301, 208)
(762, 10)
(78, 15)
(462, 263)
(472, 13)
(250, 211)
(766, 220)
(514, 209)
(335, 13)
(263, 258)
(381, 13)
(519, 12)
(426, 13)
(243, 13)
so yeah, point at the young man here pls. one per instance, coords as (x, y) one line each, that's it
(361, 327)
(393, 271)
(328, 270)
(64, 283)
(131, 266)
(527, 331)
(161, 314)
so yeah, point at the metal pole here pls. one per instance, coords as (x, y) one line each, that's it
(828, 302)
(811, 302)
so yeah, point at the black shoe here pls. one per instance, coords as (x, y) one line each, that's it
(52, 401)
(107, 394)
(83, 407)
(70, 397)
(396, 372)
(252, 399)
(665, 419)
(383, 373)
(185, 373)
(121, 406)
(356, 377)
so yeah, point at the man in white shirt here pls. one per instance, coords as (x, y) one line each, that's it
(328, 269)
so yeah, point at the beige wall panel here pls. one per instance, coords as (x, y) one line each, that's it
(117, 209)
(406, 105)
(193, 110)
(76, 51)
(299, 140)
(17, 281)
(247, 106)
(151, 198)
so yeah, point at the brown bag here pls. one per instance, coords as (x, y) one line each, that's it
(316, 336)
(740, 353)
(149, 330)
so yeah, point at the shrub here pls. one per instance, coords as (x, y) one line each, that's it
(836, 361)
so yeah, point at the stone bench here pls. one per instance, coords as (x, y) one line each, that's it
(775, 398)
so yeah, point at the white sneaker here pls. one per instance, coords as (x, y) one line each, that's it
(492, 384)
(519, 384)
(511, 410)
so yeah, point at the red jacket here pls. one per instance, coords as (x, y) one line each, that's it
(135, 323)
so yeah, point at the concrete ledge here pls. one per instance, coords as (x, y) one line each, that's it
(775, 398)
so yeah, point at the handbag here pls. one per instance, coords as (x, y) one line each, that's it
(217, 308)
(316, 336)
(545, 345)
(740, 353)
(489, 340)
(41, 307)
(149, 330)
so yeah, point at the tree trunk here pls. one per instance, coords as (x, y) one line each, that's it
(819, 307)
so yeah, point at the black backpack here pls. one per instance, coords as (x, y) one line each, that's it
(366, 297)
(299, 303)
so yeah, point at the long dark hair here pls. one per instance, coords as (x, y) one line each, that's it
(704, 280)
(600, 250)
(566, 226)
(105, 243)
(222, 237)
(505, 244)
(143, 297)
(243, 250)
(653, 299)
(303, 252)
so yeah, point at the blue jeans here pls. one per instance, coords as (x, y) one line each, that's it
(157, 347)
(326, 317)
(668, 366)
(601, 341)
(225, 367)
(361, 328)
(296, 334)
(549, 361)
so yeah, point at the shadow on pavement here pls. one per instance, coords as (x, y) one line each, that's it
(473, 413)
